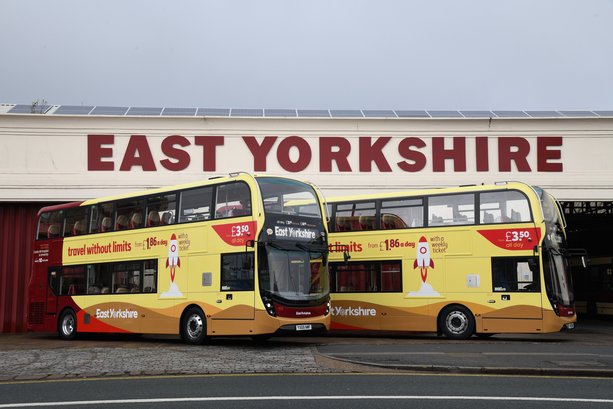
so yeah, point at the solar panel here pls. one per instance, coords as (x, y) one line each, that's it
(213, 112)
(140, 111)
(477, 114)
(445, 114)
(346, 113)
(412, 114)
(179, 112)
(577, 113)
(313, 113)
(246, 112)
(102, 110)
(604, 113)
(74, 110)
(29, 109)
(280, 112)
(543, 114)
(292, 113)
(379, 113)
(510, 114)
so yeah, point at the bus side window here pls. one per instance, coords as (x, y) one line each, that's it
(129, 214)
(237, 272)
(451, 210)
(160, 210)
(233, 199)
(101, 218)
(75, 222)
(50, 225)
(401, 213)
(503, 207)
(195, 204)
(515, 274)
(43, 226)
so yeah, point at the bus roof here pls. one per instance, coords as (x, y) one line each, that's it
(434, 191)
(172, 188)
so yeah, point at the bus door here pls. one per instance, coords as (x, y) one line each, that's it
(236, 299)
(52, 289)
(516, 296)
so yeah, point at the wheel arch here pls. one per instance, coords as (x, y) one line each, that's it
(59, 322)
(450, 306)
(184, 314)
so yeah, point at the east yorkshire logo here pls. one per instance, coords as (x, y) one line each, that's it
(333, 153)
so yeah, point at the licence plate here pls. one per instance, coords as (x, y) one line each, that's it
(304, 327)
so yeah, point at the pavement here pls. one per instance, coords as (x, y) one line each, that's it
(585, 351)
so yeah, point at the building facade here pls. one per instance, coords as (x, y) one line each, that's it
(58, 154)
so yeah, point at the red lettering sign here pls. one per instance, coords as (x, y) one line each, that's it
(295, 154)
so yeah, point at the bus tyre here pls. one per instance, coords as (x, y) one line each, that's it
(457, 322)
(193, 326)
(67, 325)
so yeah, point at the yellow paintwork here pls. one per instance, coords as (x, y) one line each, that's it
(461, 275)
(200, 249)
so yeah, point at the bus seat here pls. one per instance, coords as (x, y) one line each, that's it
(367, 222)
(136, 220)
(388, 221)
(153, 218)
(93, 290)
(515, 216)
(104, 290)
(78, 228)
(122, 222)
(121, 290)
(106, 224)
(436, 220)
(166, 218)
(53, 231)
(354, 223)
(488, 217)
(343, 223)
(235, 212)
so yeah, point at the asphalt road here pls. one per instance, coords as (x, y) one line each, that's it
(583, 352)
(313, 391)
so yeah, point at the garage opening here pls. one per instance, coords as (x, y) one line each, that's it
(590, 226)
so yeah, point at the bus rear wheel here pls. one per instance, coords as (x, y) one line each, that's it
(457, 322)
(193, 326)
(67, 325)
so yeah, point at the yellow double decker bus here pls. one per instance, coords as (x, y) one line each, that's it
(458, 261)
(226, 256)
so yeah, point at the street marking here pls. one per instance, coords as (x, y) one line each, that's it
(299, 398)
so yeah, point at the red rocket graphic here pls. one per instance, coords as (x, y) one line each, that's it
(173, 260)
(423, 260)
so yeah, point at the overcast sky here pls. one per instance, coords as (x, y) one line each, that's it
(309, 54)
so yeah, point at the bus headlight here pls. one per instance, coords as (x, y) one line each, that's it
(270, 306)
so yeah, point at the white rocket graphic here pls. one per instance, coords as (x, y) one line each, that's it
(173, 260)
(423, 260)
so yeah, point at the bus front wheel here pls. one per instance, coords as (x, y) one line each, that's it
(457, 322)
(193, 326)
(67, 325)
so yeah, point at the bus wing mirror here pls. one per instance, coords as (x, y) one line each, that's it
(249, 244)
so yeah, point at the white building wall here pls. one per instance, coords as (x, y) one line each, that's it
(52, 157)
